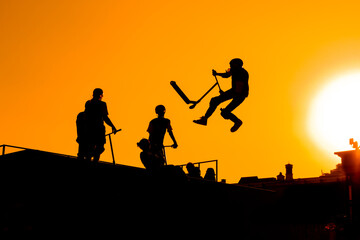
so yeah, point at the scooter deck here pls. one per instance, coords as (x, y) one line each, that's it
(181, 93)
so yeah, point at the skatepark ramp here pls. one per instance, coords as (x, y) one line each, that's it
(56, 193)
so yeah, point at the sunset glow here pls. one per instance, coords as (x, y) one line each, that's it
(301, 58)
(334, 116)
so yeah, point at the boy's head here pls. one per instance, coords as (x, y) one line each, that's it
(160, 110)
(144, 144)
(236, 63)
(98, 93)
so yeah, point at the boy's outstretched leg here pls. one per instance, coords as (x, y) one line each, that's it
(214, 102)
(201, 121)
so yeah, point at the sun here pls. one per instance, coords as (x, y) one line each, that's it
(334, 115)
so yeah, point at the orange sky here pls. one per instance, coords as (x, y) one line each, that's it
(54, 53)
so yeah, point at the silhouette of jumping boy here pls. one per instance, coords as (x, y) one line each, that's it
(157, 129)
(238, 92)
(97, 113)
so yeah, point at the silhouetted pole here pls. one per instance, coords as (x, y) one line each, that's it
(111, 147)
(217, 170)
(218, 84)
(112, 151)
(165, 153)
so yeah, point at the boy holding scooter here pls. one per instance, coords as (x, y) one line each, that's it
(238, 92)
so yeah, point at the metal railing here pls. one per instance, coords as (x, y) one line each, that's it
(10, 146)
(182, 165)
(23, 148)
(199, 163)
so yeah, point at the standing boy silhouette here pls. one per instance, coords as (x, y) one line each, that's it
(97, 113)
(83, 136)
(157, 129)
(238, 92)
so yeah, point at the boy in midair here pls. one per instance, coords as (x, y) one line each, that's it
(238, 92)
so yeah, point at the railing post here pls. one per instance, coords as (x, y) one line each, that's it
(112, 151)
(3, 151)
(217, 173)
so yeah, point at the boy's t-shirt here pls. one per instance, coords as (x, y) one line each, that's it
(240, 81)
(95, 111)
(157, 129)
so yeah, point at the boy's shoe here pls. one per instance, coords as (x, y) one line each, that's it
(201, 121)
(236, 126)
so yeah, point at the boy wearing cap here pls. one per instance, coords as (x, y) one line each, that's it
(97, 113)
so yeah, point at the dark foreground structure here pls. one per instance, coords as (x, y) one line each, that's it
(57, 195)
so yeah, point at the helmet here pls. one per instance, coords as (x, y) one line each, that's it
(97, 92)
(236, 62)
(160, 109)
(143, 144)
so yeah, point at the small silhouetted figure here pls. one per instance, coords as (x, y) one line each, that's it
(151, 161)
(157, 129)
(193, 171)
(280, 177)
(238, 92)
(97, 113)
(82, 136)
(210, 174)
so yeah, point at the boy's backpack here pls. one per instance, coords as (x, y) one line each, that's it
(81, 127)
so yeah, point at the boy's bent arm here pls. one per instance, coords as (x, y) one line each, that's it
(173, 138)
(224, 75)
(108, 122)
